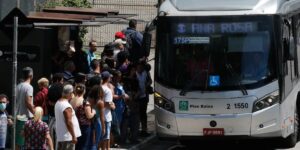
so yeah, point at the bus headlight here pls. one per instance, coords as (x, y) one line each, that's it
(265, 102)
(164, 103)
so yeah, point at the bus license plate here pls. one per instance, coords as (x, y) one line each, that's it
(213, 132)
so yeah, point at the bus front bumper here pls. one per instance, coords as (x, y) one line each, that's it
(261, 124)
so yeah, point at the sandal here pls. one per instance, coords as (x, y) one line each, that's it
(116, 146)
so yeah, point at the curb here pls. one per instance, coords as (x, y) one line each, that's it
(143, 143)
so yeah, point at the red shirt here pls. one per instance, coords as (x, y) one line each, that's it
(40, 98)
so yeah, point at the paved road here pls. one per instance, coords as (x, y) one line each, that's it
(198, 145)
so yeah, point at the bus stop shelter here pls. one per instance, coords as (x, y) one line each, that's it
(42, 34)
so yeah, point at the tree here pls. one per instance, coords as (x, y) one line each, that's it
(77, 3)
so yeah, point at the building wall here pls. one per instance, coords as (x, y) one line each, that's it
(145, 10)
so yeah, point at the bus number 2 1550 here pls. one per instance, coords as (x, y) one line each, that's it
(238, 106)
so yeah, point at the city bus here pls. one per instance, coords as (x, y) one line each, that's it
(228, 69)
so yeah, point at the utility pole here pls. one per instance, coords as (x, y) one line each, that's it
(14, 80)
(15, 66)
(18, 3)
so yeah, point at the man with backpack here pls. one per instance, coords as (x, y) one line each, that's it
(134, 42)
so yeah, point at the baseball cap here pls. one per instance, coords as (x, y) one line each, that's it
(120, 41)
(27, 69)
(106, 74)
(120, 35)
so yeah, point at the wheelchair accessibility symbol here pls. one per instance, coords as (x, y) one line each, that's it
(214, 81)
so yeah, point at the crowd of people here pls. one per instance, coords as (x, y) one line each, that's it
(88, 103)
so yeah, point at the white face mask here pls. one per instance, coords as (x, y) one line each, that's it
(2, 106)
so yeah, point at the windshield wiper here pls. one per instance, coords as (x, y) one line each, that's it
(190, 84)
(186, 88)
(233, 73)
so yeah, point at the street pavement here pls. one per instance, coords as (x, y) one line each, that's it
(156, 144)
(201, 145)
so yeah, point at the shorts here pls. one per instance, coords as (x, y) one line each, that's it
(107, 131)
(66, 145)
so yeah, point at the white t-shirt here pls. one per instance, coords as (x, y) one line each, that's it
(108, 97)
(116, 52)
(62, 133)
(3, 129)
(24, 90)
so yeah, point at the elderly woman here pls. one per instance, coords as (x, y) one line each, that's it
(40, 98)
(37, 132)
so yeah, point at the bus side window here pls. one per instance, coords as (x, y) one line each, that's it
(293, 47)
(285, 39)
(297, 42)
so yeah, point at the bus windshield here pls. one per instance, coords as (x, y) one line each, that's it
(208, 55)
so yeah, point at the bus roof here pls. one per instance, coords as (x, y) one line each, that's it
(228, 7)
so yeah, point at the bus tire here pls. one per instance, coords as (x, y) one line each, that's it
(292, 139)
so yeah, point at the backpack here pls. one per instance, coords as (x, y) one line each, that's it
(130, 38)
(134, 49)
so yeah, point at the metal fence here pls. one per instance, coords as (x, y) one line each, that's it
(145, 10)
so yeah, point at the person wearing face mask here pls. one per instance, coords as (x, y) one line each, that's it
(4, 121)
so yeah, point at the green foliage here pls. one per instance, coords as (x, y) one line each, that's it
(82, 32)
(77, 3)
(51, 4)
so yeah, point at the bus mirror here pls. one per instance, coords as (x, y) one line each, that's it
(146, 44)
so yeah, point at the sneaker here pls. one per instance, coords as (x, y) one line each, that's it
(144, 134)
(115, 146)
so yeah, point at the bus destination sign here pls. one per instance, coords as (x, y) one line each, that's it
(211, 28)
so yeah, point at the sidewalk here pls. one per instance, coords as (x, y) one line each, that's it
(144, 140)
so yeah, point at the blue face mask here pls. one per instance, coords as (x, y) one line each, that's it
(2, 106)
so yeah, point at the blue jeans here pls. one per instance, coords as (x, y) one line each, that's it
(85, 140)
(98, 130)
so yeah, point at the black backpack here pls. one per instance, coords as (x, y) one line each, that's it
(134, 48)
(130, 38)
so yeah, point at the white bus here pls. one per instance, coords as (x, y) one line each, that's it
(228, 68)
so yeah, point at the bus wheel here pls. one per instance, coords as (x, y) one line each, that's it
(292, 140)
